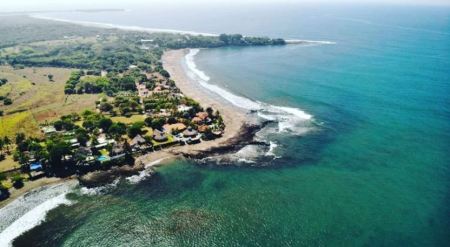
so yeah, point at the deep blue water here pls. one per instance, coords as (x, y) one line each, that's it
(373, 170)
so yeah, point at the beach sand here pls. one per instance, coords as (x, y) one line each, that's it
(234, 118)
(32, 185)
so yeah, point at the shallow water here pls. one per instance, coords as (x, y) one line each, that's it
(373, 170)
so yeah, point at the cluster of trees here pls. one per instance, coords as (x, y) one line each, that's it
(6, 100)
(161, 101)
(73, 81)
(239, 40)
(113, 54)
(177, 41)
(80, 82)
(87, 84)
(115, 50)
(127, 105)
(5, 143)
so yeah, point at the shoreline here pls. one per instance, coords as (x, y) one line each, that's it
(31, 186)
(237, 129)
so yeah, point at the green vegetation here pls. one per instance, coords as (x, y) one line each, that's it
(50, 72)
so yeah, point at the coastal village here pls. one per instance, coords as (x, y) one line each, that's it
(74, 100)
(151, 115)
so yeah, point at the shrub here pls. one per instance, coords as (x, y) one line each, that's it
(17, 181)
(7, 101)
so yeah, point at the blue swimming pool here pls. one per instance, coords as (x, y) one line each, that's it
(103, 158)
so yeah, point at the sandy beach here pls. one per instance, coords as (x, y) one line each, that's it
(30, 186)
(233, 117)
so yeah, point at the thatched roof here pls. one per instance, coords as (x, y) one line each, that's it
(137, 140)
(159, 136)
(189, 132)
(202, 115)
(203, 128)
(176, 126)
(118, 148)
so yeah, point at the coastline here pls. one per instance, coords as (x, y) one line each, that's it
(235, 119)
(31, 186)
(237, 128)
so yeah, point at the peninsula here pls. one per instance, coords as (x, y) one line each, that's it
(87, 102)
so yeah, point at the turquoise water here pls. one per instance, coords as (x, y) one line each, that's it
(374, 170)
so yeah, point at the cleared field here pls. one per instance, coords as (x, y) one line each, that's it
(129, 120)
(8, 164)
(36, 99)
(19, 122)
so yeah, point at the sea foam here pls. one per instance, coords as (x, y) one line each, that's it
(290, 119)
(30, 210)
(123, 27)
(144, 174)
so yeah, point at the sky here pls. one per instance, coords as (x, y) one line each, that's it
(31, 5)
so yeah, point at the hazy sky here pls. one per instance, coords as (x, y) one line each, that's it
(27, 5)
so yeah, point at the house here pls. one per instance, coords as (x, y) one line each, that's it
(74, 143)
(84, 156)
(174, 127)
(159, 136)
(191, 136)
(190, 132)
(137, 142)
(184, 108)
(197, 120)
(203, 128)
(117, 149)
(48, 130)
(202, 115)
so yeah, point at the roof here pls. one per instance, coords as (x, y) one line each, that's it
(137, 140)
(183, 108)
(48, 129)
(203, 128)
(159, 136)
(203, 115)
(175, 126)
(189, 132)
(197, 120)
(118, 148)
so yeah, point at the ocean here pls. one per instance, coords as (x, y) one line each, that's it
(359, 152)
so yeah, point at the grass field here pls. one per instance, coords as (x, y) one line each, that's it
(129, 120)
(36, 99)
(8, 164)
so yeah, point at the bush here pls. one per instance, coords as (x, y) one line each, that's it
(17, 181)
(7, 101)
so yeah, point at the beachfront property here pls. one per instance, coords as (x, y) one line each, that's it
(147, 115)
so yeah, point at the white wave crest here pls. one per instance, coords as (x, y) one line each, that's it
(146, 173)
(99, 190)
(289, 118)
(31, 219)
(123, 27)
(271, 151)
(306, 41)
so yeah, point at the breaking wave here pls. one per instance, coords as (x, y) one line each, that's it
(30, 210)
(146, 173)
(100, 190)
(290, 120)
(122, 27)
